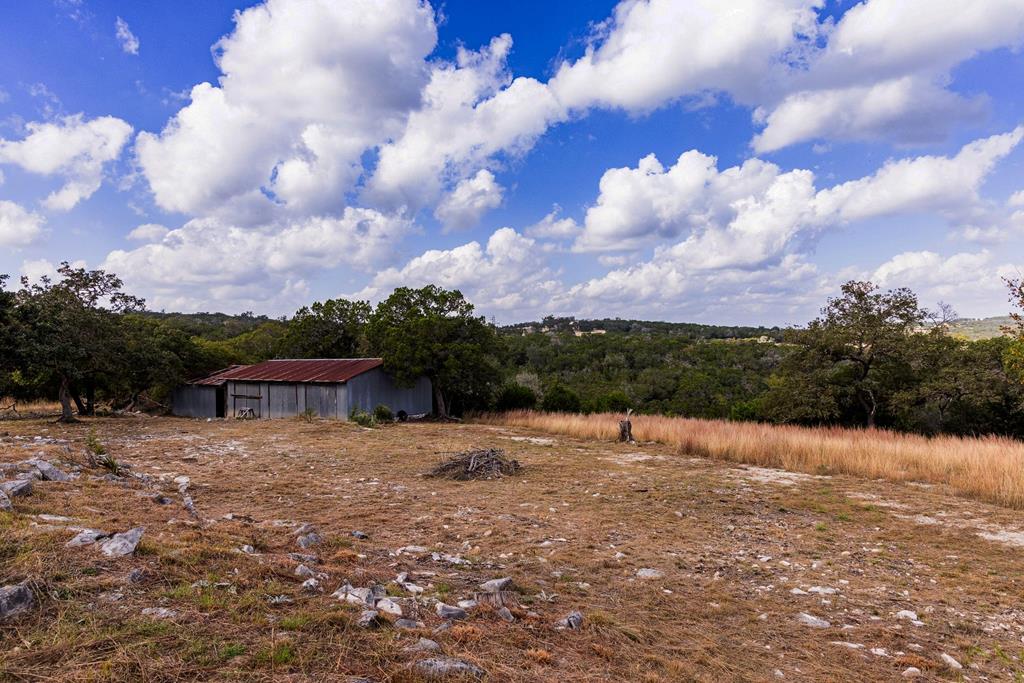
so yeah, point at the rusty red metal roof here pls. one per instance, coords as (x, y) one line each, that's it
(312, 370)
(214, 379)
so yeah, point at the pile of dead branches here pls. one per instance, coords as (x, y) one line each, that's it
(480, 463)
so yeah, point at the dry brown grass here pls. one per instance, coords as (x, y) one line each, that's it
(986, 468)
(10, 407)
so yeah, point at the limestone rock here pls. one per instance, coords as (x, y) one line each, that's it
(87, 537)
(122, 544)
(5, 503)
(448, 612)
(369, 618)
(47, 471)
(14, 600)
(812, 621)
(648, 573)
(447, 668)
(389, 606)
(17, 488)
(572, 621)
(495, 585)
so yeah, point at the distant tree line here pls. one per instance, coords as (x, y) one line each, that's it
(872, 358)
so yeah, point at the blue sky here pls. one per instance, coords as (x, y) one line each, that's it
(665, 159)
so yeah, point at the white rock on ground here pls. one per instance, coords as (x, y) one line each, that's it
(14, 600)
(812, 621)
(447, 668)
(911, 672)
(648, 573)
(950, 662)
(122, 544)
(159, 613)
(389, 606)
(906, 614)
(17, 487)
(47, 471)
(495, 585)
(87, 537)
(448, 612)
(5, 503)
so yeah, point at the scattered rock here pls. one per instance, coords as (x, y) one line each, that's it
(361, 535)
(412, 550)
(303, 557)
(304, 571)
(911, 672)
(389, 606)
(369, 618)
(15, 600)
(906, 614)
(467, 604)
(311, 585)
(950, 662)
(5, 503)
(448, 612)
(447, 668)
(356, 596)
(506, 614)
(159, 613)
(848, 645)
(17, 488)
(424, 645)
(648, 573)
(122, 544)
(87, 537)
(495, 585)
(248, 549)
(47, 471)
(573, 621)
(820, 590)
(309, 540)
(812, 621)
(136, 575)
(408, 624)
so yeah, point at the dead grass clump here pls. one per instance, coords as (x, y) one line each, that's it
(986, 468)
(483, 463)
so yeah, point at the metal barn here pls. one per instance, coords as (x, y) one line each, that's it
(285, 388)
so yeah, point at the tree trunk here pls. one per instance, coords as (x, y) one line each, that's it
(626, 428)
(79, 406)
(90, 399)
(65, 402)
(442, 410)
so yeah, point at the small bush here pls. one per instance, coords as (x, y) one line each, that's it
(515, 397)
(308, 415)
(559, 399)
(383, 414)
(362, 418)
(93, 445)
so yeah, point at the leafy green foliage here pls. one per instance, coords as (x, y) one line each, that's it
(362, 418)
(383, 414)
(331, 329)
(559, 399)
(515, 397)
(432, 332)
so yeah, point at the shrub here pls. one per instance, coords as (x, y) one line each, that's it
(559, 399)
(515, 397)
(362, 418)
(307, 415)
(614, 402)
(383, 414)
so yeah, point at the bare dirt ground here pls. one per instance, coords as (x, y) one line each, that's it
(737, 553)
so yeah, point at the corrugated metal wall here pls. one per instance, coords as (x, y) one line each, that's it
(373, 388)
(194, 401)
(286, 399)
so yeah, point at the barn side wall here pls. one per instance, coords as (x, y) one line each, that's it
(285, 399)
(370, 389)
(194, 401)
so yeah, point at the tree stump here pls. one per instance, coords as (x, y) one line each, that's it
(626, 429)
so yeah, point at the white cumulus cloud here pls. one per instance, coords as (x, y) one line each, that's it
(18, 226)
(72, 147)
(464, 206)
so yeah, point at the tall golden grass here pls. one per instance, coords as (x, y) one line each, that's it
(987, 468)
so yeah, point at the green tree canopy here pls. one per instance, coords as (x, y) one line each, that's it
(855, 352)
(331, 329)
(433, 332)
(68, 330)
